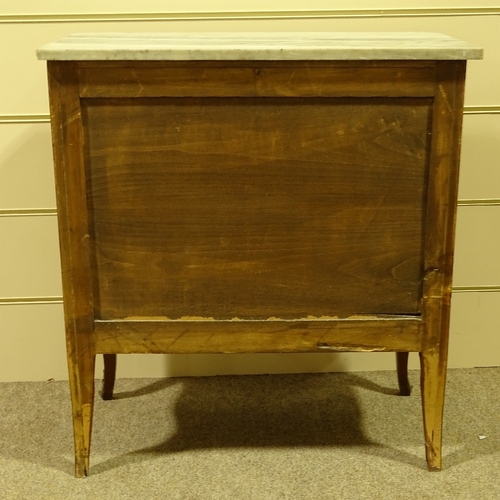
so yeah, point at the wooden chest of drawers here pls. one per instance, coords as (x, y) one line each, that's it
(256, 193)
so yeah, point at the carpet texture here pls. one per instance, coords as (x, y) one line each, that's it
(317, 436)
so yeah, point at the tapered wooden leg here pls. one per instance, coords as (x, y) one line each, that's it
(81, 377)
(109, 376)
(433, 379)
(402, 369)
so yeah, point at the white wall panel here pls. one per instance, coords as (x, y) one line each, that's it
(26, 168)
(477, 247)
(32, 345)
(480, 165)
(475, 330)
(29, 257)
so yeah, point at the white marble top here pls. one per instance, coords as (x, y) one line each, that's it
(258, 46)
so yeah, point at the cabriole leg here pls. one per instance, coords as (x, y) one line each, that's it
(402, 369)
(109, 376)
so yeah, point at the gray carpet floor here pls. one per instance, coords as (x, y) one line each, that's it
(318, 436)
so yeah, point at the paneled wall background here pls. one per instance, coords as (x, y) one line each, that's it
(31, 324)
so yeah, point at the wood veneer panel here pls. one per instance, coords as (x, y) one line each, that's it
(157, 336)
(255, 208)
(257, 80)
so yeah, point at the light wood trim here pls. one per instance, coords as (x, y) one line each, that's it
(257, 336)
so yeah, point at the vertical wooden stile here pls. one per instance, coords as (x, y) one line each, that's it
(67, 133)
(441, 214)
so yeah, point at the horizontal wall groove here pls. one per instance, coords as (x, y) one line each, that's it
(481, 202)
(27, 212)
(45, 117)
(257, 14)
(22, 301)
(482, 110)
(22, 118)
(476, 289)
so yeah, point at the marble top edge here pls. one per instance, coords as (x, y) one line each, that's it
(259, 46)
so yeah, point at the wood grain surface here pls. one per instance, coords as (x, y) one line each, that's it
(256, 207)
(258, 78)
(324, 335)
(278, 207)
